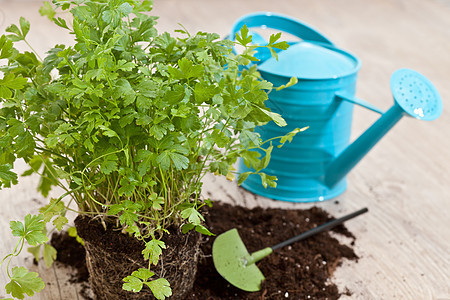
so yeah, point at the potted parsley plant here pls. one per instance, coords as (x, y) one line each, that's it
(127, 122)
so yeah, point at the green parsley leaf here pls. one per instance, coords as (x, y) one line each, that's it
(153, 249)
(186, 70)
(290, 135)
(160, 288)
(132, 284)
(54, 208)
(185, 228)
(277, 118)
(59, 222)
(203, 230)
(163, 160)
(137, 279)
(36, 251)
(6, 47)
(7, 176)
(192, 215)
(244, 39)
(143, 274)
(248, 138)
(49, 255)
(24, 26)
(266, 159)
(128, 217)
(47, 10)
(268, 180)
(292, 81)
(243, 176)
(109, 164)
(24, 282)
(179, 161)
(32, 231)
(12, 82)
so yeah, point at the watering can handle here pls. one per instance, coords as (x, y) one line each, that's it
(279, 22)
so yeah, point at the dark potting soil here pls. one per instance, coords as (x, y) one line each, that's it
(71, 253)
(300, 271)
(112, 255)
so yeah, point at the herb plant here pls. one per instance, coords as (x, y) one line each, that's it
(127, 122)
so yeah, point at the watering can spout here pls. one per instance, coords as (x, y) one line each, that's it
(414, 95)
(351, 156)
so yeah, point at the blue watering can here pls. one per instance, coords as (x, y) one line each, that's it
(314, 165)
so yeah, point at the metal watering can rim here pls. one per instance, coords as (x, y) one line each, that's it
(350, 72)
(414, 95)
(315, 54)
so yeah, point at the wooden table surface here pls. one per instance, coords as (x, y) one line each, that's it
(404, 241)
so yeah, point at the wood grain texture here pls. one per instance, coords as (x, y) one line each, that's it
(404, 240)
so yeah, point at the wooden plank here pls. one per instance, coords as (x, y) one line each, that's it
(403, 242)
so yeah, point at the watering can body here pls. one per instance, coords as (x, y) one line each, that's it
(300, 166)
(314, 165)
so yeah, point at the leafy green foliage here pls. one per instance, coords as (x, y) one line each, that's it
(275, 117)
(7, 176)
(19, 34)
(72, 231)
(153, 250)
(6, 47)
(47, 10)
(192, 215)
(291, 82)
(24, 282)
(290, 135)
(199, 228)
(33, 230)
(136, 281)
(54, 208)
(277, 45)
(160, 288)
(36, 251)
(49, 253)
(128, 121)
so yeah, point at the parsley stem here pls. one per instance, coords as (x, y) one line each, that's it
(53, 153)
(34, 51)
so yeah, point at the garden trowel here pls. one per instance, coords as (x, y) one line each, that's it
(238, 266)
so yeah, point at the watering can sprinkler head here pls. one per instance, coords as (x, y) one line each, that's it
(414, 95)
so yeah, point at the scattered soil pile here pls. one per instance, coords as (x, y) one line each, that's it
(300, 271)
(71, 253)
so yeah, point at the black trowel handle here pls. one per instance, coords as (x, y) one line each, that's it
(319, 229)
